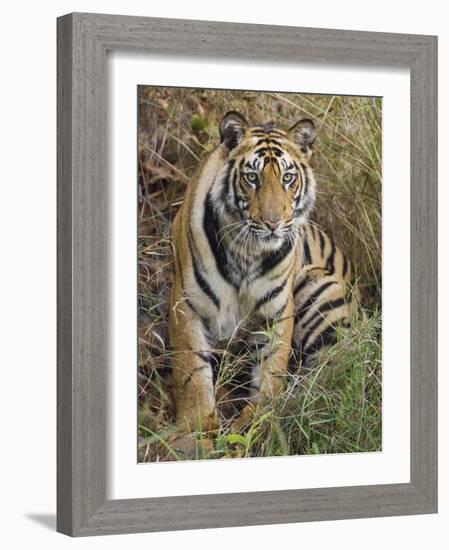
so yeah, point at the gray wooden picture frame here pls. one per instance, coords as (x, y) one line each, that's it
(83, 40)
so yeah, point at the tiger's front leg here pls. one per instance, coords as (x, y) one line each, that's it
(275, 354)
(192, 372)
(273, 366)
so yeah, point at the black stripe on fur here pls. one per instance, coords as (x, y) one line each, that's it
(271, 260)
(318, 317)
(311, 299)
(210, 226)
(269, 295)
(200, 279)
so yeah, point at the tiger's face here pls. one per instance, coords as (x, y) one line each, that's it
(272, 184)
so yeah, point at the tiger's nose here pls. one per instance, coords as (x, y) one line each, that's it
(271, 223)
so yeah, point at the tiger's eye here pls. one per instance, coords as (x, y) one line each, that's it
(288, 177)
(252, 178)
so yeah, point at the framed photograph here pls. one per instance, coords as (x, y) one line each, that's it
(247, 274)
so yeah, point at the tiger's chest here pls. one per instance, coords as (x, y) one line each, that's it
(255, 300)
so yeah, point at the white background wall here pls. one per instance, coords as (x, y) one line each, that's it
(27, 218)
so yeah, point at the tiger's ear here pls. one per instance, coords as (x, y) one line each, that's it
(303, 134)
(232, 129)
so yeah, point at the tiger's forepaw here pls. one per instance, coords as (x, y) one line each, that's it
(188, 447)
(195, 421)
(244, 420)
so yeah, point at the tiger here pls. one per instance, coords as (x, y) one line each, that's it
(247, 253)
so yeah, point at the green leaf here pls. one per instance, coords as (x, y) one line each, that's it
(198, 123)
(235, 438)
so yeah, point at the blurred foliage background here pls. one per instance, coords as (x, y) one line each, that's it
(177, 127)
